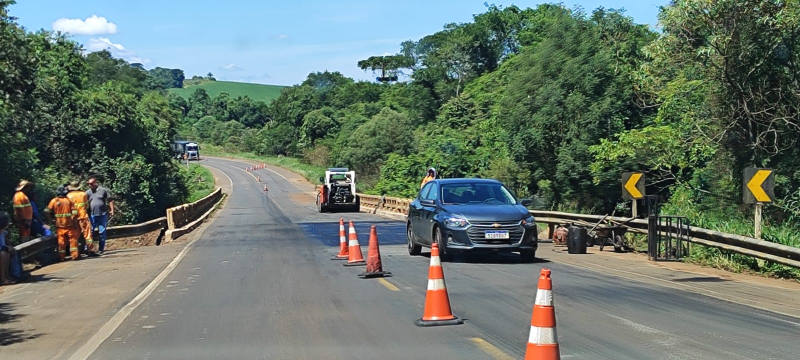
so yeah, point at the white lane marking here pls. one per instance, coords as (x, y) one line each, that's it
(276, 173)
(98, 338)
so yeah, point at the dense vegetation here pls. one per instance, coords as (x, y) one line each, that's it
(65, 116)
(557, 103)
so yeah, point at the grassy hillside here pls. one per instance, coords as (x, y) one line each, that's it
(235, 89)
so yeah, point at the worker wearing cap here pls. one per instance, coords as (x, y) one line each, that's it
(65, 213)
(23, 212)
(84, 225)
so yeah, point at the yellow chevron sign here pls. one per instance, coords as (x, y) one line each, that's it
(632, 185)
(759, 185)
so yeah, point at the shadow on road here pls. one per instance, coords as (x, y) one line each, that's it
(500, 258)
(29, 279)
(12, 336)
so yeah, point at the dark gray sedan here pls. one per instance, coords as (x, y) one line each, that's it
(470, 215)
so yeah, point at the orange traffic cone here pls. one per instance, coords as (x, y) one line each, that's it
(258, 178)
(354, 257)
(543, 341)
(437, 302)
(265, 187)
(343, 249)
(374, 266)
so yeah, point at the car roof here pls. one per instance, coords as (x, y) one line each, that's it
(467, 181)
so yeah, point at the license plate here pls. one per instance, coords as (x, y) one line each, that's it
(497, 234)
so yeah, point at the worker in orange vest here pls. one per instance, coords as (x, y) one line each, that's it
(23, 212)
(431, 176)
(84, 225)
(65, 220)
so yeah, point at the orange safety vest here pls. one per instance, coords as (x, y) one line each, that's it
(22, 207)
(425, 181)
(81, 201)
(64, 211)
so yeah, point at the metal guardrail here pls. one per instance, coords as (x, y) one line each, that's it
(44, 243)
(193, 210)
(765, 250)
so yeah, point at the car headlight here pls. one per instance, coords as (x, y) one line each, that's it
(529, 221)
(455, 221)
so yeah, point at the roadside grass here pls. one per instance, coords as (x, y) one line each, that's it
(258, 92)
(309, 172)
(198, 180)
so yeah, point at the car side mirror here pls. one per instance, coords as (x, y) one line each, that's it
(322, 180)
(526, 202)
(426, 202)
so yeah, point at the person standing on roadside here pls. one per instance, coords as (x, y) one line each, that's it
(6, 251)
(100, 207)
(64, 213)
(431, 175)
(84, 225)
(23, 211)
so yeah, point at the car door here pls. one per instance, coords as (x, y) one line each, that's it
(415, 210)
(427, 211)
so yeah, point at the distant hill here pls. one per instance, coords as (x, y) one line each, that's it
(235, 89)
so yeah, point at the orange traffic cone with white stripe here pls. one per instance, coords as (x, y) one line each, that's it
(543, 341)
(354, 257)
(437, 302)
(344, 252)
(374, 265)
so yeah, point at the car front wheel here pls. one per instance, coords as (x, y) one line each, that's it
(413, 248)
(439, 239)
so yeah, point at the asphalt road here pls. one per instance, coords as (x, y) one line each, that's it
(259, 284)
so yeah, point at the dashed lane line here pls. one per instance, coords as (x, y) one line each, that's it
(490, 349)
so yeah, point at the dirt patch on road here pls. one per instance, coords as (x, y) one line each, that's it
(148, 239)
(302, 198)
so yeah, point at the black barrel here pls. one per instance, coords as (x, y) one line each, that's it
(576, 241)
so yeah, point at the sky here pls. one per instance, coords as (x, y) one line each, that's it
(266, 41)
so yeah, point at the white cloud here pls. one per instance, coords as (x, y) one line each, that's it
(93, 25)
(102, 43)
(117, 50)
(280, 37)
(231, 67)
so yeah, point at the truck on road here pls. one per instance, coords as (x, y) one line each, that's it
(338, 191)
(186, 150)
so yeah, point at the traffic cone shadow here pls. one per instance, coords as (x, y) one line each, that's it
(543, 340)
(437, 301)
(354, 256)
(374, 265)
(343, 247)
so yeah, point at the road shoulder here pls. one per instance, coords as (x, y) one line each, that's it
(61, 306)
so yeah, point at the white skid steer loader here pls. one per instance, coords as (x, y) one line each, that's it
(338, 191)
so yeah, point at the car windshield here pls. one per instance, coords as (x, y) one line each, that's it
(477, 193)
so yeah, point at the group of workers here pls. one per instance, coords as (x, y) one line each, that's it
(73, 212)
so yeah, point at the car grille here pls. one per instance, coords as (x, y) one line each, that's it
(476, 232)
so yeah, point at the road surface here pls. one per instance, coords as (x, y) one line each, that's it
(259, 284)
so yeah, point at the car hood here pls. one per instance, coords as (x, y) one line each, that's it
(481, 212)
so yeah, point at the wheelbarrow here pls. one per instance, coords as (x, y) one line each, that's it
(611, 235)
